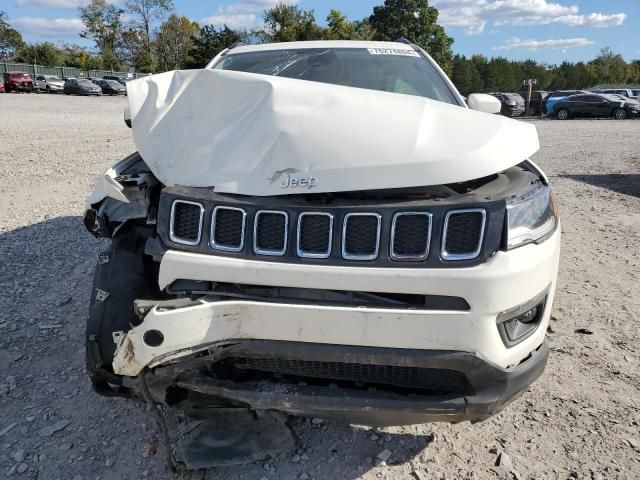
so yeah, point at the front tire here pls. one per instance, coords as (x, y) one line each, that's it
(563, 114)
(619, 114)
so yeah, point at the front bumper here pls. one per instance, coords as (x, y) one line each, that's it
(489, 389)
(506, 280)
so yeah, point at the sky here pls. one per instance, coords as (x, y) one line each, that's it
(549, 31)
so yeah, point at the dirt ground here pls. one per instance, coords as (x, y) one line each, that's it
(581, 420)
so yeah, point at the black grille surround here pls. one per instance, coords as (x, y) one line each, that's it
(314, 239)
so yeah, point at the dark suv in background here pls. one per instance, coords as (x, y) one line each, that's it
(18, 82)
(537, 100)
(81, 86)
(512, 104)
(555, 97)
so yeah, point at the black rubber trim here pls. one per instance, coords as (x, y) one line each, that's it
(493, 387)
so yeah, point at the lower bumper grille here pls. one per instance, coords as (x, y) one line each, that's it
(436, 380)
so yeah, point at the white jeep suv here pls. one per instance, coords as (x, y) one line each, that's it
(324, 229)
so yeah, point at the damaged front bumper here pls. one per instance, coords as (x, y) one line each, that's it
(372, 366)
(483, 390)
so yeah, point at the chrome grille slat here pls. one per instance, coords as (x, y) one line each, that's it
(266, 236)
(351, 238)
(456, 236)
(185, 222)
(410, 242)
(322, 244)
(224, 231)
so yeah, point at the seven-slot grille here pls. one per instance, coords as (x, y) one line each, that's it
(360, 236)
(186, 222)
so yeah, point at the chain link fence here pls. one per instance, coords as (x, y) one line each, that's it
(63, 71)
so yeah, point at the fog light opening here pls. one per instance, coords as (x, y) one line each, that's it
(518, 323)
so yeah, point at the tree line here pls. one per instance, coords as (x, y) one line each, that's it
(148, 36)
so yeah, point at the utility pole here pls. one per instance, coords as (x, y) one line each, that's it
(530, 83)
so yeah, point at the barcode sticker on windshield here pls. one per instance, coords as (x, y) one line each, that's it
(393, 51)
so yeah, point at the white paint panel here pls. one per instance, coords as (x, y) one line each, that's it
(244, 133)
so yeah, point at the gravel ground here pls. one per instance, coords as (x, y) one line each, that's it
(581, 420)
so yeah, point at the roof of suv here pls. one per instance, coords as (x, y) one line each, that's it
(320, 44)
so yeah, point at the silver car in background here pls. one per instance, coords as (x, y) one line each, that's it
(49, 84)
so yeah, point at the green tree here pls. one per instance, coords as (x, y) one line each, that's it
(10, 38)
(339, 27)
(132, 50)
(80, 57)
(414, 20)
(103, 24)
(40, 53)
(208, 43)
(174, 41)
(610, 67)
(465, 76)
(144, 14)
(288, 23)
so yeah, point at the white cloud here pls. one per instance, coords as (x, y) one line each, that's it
(474, 15)
(70, 4)
(48, 27)
(235, 21)
(243, 15)
(50, 3)
(550, 44)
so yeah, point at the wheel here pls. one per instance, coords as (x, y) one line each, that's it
(48, 90)
(619, 114)
(562, 114)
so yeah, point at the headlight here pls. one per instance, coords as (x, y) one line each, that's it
(531, 217)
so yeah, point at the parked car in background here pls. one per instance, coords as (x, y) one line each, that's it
(595, 105)
(553, 98)
(49, 84)
(122, 80)
(111, 87)
(625, 92)
(632, 100)
(512, 104)
(81, 87)
(18, 82)
(537, 100)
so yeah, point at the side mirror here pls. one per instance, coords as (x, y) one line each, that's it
(484, 103)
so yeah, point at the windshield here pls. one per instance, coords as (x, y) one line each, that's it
(52, 78)
(20, 75)
(388, 70)
(113, 83)
(86, 83)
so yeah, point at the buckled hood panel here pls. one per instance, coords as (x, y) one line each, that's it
(261, 135)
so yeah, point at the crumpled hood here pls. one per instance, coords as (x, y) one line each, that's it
(262, 135)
